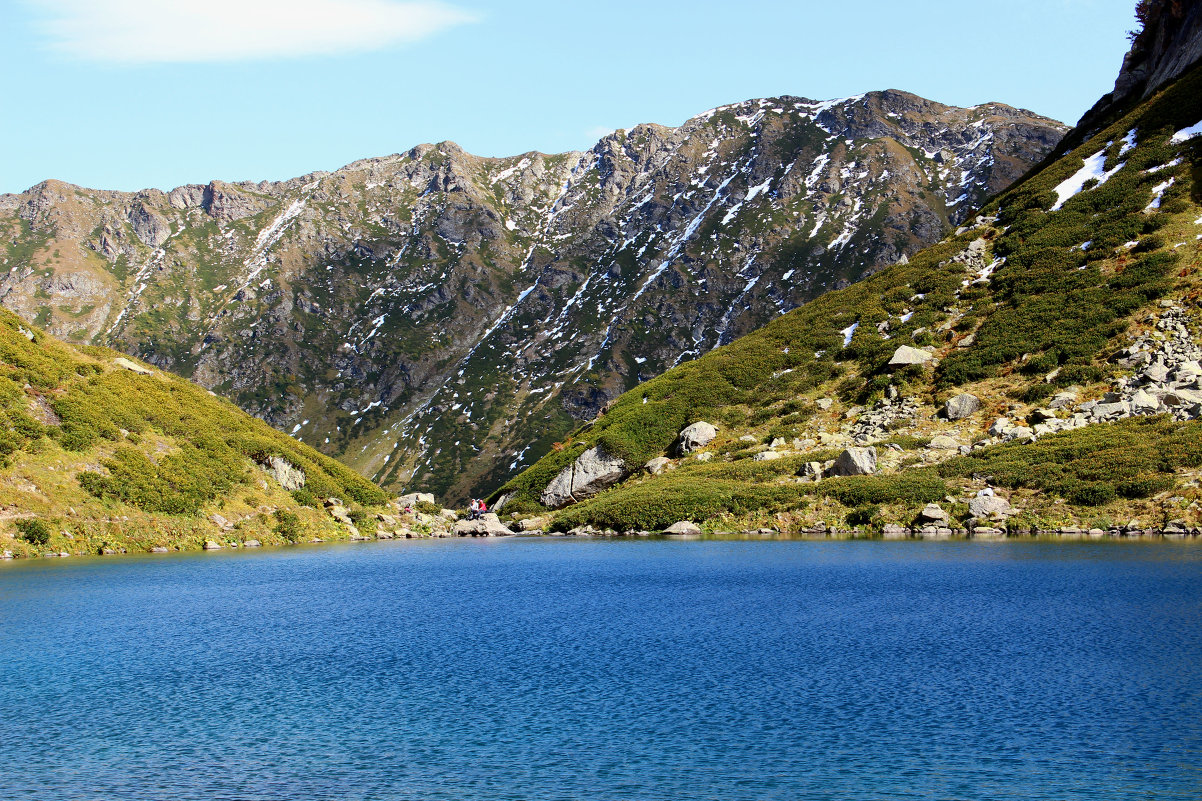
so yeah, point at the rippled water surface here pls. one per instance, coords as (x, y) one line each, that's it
(557, 669)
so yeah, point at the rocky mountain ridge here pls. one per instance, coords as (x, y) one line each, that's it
(1037, 372)
(438, 320)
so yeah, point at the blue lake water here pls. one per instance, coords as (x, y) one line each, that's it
(561, 669)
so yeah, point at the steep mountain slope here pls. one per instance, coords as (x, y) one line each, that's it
(98, 452)
(1037, 370)
(437, 319)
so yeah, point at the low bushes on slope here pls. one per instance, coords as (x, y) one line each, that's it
(1062, 294)
(1134, 458)
(790, 356)
(700, 492)
(171, 446)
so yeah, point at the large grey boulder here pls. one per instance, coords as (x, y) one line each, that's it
(1018, 434)
(593, 471)
(414, 498)
(906, 355)
(961, 406)
(285, 473)
(487, 526)
(933, 513)
(684, 527)
(985, 507)
(854, 462)
(698, 435)
(658, 465)
(1144, 403)
(1063, 400)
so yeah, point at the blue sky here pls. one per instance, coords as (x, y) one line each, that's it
(125, 94)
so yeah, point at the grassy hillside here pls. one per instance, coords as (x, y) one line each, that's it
(1035, 297)
(100, 452)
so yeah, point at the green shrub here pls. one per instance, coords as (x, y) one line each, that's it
(862, 515)
(305, 497)
(33, 531)
(914, 486)
(288, 525)
(660, 502)
(363, 520)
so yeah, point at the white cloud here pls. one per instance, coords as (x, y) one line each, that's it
(157, 31)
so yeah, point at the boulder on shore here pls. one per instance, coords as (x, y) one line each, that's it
(593, 471)
(933, 513)
(684, 527)
(698, 435)
(986, 507)
(487, 526)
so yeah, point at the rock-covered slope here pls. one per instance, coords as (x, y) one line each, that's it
(438, 319)
(1037, 371)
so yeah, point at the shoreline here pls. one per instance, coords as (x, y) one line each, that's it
(1146, 536)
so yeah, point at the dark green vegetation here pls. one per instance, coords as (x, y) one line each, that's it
(33, 531)
(1134, 458)
(1047, 270)
(84, 437)
(1068, 285)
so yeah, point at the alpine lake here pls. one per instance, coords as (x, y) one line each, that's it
(566, 668)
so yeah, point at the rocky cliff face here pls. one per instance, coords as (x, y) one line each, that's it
(438, 320)
(1168, 42)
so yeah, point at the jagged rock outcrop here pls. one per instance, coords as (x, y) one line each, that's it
(285, 473)
(1168, 42)
(439, 319)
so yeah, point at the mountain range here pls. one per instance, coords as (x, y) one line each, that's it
(438, 320)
